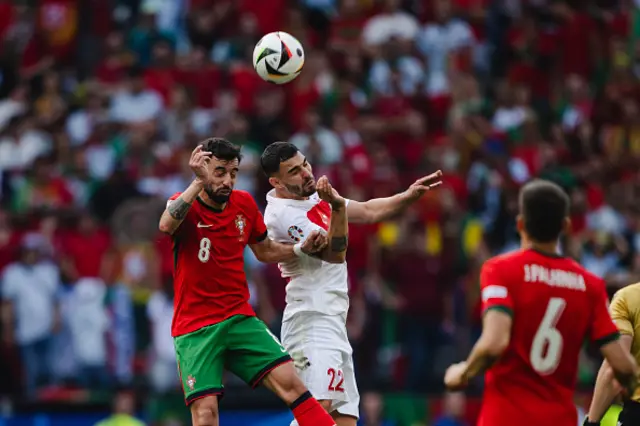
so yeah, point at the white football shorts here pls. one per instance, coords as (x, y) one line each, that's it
(322, 356)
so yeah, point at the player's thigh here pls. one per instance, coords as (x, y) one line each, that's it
(253, 351)
(319, 354)
(200, 357)
(348, 413)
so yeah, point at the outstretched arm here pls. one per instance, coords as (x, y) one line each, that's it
(269, 251)
(380, 209)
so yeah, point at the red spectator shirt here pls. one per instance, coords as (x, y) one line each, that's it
(209, 280)
(87, 251)
(555, 304)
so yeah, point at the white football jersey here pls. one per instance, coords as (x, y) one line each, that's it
(314, 285)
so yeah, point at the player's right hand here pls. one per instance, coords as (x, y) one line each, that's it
(199, 163)
(327, 193)
(315, 243)
(454, 377)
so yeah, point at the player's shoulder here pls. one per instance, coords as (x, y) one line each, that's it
(629, 294)
(504, 260)
(242, 196)
(591, 280)
(243, 200)
(283, 212)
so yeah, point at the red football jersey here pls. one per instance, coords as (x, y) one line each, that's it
(556, 304)
(209, 280)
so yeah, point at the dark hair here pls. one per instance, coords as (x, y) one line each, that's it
(544, 206)
(275, 154)
(222, 149)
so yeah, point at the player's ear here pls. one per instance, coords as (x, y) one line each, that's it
(524, 240)
(567, 226)
(275, 182)
(520, 224)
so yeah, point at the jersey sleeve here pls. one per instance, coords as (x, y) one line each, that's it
(603, 329)
(259, 229)
(622, 314)
(494, 289)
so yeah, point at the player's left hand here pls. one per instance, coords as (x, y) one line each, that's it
(315, 243)
(454, 378)
(424, 184)
(328, 193)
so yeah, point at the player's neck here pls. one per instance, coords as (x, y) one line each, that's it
(280, 193)
(545, 248)
(208, 201)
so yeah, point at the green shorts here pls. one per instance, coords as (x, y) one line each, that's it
(241, 344)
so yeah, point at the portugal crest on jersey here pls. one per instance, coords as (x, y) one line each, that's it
(241, 225)
(191, 382)
(295, 233)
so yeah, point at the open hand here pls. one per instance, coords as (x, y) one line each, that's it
(454, 378)
(424, 184)
(327, 193)
(315, 243)
(199, 163)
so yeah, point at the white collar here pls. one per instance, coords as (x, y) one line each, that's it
(276, 201)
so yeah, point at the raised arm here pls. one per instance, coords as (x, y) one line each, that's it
(338, 238)
(380, 209)
(177, 209)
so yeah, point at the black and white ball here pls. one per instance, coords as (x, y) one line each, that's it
(278, 57)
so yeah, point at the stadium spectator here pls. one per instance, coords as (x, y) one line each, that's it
(102, 101)
(30, 289)
(123, 410)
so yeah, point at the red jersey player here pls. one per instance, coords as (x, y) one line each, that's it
(214, 327)
(538, 309)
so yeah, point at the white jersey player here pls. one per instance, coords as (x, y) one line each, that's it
(314, 324)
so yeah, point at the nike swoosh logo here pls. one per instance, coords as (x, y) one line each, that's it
(202, 225)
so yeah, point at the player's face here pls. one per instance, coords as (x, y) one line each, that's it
(296, 176)
(222, 179)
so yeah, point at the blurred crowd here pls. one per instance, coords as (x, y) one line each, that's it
(103, 100)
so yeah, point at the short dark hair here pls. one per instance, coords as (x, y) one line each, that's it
(222, 149)
(275, 154)
(544, 206)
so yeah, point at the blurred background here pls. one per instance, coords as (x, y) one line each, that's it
(103, 100)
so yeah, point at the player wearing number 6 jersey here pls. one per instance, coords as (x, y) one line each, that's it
(539, 308)
(214, 327)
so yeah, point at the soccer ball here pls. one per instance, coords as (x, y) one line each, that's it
(278, 57)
